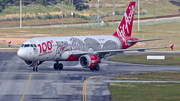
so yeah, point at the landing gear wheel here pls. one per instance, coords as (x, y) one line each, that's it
(55, 66)
(60, 66)
(33, 69)
(36, 69)
(97, 68)
(92, 68)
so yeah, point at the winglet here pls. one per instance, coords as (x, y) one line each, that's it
(172, 46)
(9, 43)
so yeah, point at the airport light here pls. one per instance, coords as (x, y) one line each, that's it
(59, 8)
(154, 11)
(98, 11)
(20, 13)
(142, 7)
(62, 13)
(113, 11)
(167, 7)
(72, 12)
(72, 8)
(138, 15)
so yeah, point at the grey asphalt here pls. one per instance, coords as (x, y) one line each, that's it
(66, 85)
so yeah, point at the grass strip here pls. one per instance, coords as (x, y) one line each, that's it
(144, 91)
(151, 76)
(170, 59)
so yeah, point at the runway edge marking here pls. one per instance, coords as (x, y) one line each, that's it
(26, 87)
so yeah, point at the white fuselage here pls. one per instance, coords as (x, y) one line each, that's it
(60, 48)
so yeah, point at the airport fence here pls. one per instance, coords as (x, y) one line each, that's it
(95, 24)
(169, 38)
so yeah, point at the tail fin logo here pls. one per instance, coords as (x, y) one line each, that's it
(128, 19)
(124, 29)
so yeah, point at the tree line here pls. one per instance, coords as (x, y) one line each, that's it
(78, 3)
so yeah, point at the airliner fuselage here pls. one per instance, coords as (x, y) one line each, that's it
(61, 48)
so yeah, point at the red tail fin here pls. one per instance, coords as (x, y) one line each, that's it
(125, 27)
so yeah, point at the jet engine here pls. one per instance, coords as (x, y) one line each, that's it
(31, 63)
(88, 61)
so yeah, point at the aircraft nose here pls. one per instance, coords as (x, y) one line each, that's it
(21, 53)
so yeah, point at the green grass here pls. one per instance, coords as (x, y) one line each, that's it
(40, 22)
(170, 59)
(149, 32)
(151, 76)
(161, 10)
(144, 91)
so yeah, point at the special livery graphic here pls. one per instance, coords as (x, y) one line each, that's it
(89, 44)
(87, 50)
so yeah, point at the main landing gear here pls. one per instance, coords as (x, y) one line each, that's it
(58, 66)
(96, 68)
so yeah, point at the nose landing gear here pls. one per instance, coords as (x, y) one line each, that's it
(35, 68)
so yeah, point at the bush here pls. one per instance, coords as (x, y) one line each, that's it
(106, 23)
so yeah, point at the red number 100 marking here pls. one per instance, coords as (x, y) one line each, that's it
(45, 46)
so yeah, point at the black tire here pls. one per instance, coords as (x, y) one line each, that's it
(92, 68)
(33, 69)
(60, 66)
(55, 66)
(36, 69)
(97, 68)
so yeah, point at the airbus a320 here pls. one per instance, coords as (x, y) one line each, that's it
(88, 50)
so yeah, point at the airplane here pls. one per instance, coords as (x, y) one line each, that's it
(87, 50)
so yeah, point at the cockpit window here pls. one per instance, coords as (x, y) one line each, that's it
(35, 45)
(22, 45)
(31, 45)
(26, 45)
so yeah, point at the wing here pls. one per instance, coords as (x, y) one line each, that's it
(143, 40)
(13, 44)
(76, 54)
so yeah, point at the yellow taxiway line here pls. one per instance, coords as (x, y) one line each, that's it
(85, 82)
(26, 86)
(84, 87)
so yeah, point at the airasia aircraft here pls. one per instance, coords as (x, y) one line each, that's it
(88, 50)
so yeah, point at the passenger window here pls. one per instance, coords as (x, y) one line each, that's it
(26, 45)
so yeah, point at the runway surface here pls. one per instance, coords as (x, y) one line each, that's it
(66, 85)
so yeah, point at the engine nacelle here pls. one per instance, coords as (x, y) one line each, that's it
(31, 63)
(88, 61)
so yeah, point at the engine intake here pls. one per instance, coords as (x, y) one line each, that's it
(29, 63)
(88, 61)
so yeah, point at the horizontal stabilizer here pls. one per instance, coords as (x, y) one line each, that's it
(13, 44)
(143, 40)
